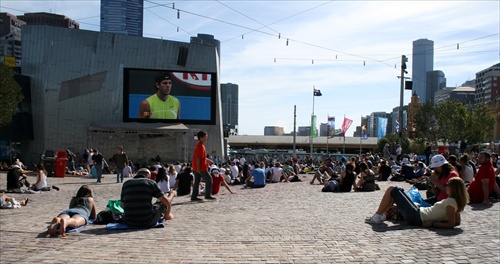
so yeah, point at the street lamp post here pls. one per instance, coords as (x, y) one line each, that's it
(403, 71)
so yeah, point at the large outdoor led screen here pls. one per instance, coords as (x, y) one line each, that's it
(171, 97)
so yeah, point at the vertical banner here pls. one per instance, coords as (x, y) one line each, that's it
(313, 126)
(364, 124)
(330, 127)
(382, 127)
(345, 125)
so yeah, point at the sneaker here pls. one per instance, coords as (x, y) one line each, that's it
(375, 219)
(196, 200)
(210, 198)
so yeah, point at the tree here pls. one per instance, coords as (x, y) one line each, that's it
(10, 95)
(478, 123)
(450, 117)
(424, 123)
(393, 137)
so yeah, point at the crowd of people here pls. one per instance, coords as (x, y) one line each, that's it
(450, 183)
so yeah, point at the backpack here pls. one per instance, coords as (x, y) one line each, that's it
(106, 217)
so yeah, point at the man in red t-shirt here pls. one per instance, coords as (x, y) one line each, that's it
(200, 168)
(218, 180)
(484, 181)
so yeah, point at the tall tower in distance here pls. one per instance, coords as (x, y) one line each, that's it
(422, 62)
(122, 17)
(229, 106)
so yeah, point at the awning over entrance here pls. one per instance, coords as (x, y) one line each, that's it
(138, 128)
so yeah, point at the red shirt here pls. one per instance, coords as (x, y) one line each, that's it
(486, 171)
(199, 152)
(442, 194)
(216, 182)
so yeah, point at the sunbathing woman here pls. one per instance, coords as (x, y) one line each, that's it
(81, 209)
(443, 214)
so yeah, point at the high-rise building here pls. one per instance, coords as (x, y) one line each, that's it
(122, 17)
(273, 131)
(435, 81)
(49, 19)
(372, 128)
(422, 62)
(488, 85)
(229, 107)
(206, 39)
(10, 40)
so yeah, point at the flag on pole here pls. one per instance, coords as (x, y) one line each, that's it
(364, 124)
(345, 125)
(317, 92)
(382, 127)
(313, 126)
(330, 127)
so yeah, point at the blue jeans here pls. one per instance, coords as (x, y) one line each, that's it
(197, 180)
(98, 171)
(409, 210)
(119, 175)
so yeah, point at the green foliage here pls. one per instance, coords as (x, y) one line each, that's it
(450, 117)
(417, 146)
(452, 121)
(10, 95)
(424, 123)
(480, 120)
(393, 137)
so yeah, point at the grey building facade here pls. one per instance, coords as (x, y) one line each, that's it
(488, 84)
(422, 62)
(273, 131)
(77, 93)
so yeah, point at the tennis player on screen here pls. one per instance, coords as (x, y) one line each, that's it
(161, 105)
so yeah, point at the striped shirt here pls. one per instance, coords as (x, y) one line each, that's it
(136, 196)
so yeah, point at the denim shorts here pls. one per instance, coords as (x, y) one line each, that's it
(406, 206)
(75, 211)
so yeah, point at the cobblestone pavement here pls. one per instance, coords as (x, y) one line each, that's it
(281, 223)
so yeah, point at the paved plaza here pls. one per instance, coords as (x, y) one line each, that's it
(281, 223)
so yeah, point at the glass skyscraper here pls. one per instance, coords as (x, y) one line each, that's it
(122, 17)
(422, 62)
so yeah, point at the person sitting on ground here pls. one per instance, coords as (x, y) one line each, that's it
(366, 181)
(184, 182)
(419, 170)
(16, 179)
(41, 180)
(136, 197)
(384, 171)
(484, 182)
(443, 214)
(288, 170)
(162, 179)
(277, 174)
(172, 175)
(81, 209)
(346, 181)
(442, 172)
(4, 166)
(217, 180)
(258, 175)
(467, 172)
(325, 171)
(127, 171)
(7, 202)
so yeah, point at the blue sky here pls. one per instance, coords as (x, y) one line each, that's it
(347, 49)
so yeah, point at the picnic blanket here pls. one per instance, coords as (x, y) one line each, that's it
(76, 229)
(123, 226)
